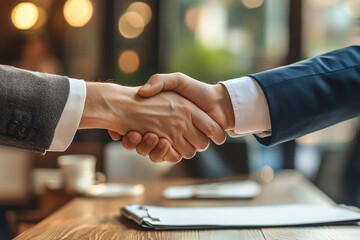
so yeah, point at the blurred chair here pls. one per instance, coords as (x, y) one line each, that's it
(219, 161)
(331, 172)
(351, 186)
(339, 173)
(121, 163)
(15, 172)
(15, 184)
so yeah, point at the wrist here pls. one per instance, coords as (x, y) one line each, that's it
(95, 114)
(225, 107)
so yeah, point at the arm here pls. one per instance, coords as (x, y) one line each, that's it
(298, 98)
(119, 109)
(35, 107)
(311, 95)
(31, 105)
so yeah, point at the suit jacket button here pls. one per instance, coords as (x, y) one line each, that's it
(31, 133)
(12, 128)
(22, 131)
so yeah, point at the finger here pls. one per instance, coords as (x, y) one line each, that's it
(149, 142)
(172, 156)
(197, 92)
(131, 140)
(184, 148)
(162, 82)
(114, 135)
(158, 153)
(209, 127)
(197, 138)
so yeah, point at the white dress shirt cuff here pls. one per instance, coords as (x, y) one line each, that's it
(250, 107)
(70, 117)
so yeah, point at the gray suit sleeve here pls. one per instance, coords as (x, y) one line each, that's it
(31, 104)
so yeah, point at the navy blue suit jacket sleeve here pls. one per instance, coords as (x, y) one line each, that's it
(312, 94)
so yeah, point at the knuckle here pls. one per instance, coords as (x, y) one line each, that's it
(211, 129)
(178, 74)
(128, 147)
(173, 159)
(174, 135)
(203, 145)
(186, 107)
(140, 151)
(155, 77)
(190, 154)
(150, 139)
(155, 159)
(179, 126)
(126, 143)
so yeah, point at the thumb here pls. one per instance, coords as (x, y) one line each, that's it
(162, 82)
(151, 88)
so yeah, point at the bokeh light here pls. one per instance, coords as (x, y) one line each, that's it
(129, 61)
(142, 9)
(322, 3)
(78, 12)
(192, 18)
(134, 19)
(252, 3)
(353, 8)
(267, 174)
(41, 19)
(25, 15)
(131, 25)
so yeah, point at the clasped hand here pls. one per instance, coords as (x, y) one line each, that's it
(173, 127)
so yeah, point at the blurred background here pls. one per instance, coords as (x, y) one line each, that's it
(127, 41)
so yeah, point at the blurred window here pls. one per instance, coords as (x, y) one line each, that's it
(215, 40)
(329, 25)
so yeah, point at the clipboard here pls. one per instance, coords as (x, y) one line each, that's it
(183, 218)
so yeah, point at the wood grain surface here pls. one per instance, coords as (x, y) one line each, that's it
(99, 218)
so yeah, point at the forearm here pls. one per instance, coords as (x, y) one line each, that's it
(105, 105)
(31, 105)
(312, 94)
(94, 114)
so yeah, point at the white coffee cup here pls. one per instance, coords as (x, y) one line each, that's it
(78, 172)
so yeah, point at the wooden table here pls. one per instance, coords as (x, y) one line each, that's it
(99, 218)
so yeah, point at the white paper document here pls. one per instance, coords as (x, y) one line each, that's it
(155, 217)
(231, 189)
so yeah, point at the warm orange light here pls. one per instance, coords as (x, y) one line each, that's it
(134, 19)
(267, 174)
(129, 61)
(78, 12)
(42, 18)
(252, 3)
(143, 9)
(192, 18)
(25, 15)
(131, 25)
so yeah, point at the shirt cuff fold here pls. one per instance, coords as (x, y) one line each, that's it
(250, 107)
(70, 118)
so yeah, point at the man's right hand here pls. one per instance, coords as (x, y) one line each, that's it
(120, 109)
(212, 99)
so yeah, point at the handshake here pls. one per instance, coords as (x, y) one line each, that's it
(169, 118)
